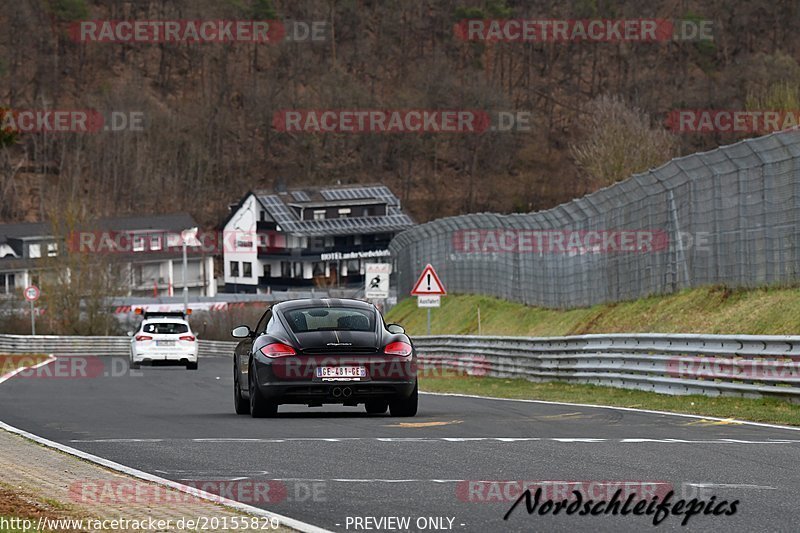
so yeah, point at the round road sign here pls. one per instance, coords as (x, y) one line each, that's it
(32, 293)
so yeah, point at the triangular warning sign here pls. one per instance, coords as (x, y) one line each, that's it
(428, 283)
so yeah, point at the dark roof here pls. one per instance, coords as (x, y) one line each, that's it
(22, 230)
(170, 222)
(278, 207)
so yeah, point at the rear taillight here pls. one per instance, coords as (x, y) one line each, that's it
(144, 338)
(277, 349)
(189, 338)
(397, 348)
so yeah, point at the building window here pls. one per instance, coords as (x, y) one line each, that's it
(365, 213)
(262, 216)
(247, 269)
(35, 251)
(318, 268)
(286, 269)
(267, 270)
(173, 240)
(52, 249)
(298, 270)
(235, 269)
(138, 244)
(344, 212)
(155, 242)
(319, 214)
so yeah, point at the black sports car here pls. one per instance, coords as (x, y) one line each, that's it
(324, 351)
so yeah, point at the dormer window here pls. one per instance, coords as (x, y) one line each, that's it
(138, 243)
(319, 214)
(344, 212)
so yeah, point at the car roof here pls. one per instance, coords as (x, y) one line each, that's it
(322, 302)
(168, 319)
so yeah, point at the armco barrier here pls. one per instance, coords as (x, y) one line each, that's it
(56, 345)
(713, 365)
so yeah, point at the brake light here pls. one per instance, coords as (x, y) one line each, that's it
(189, 338)
(144, 338)
(397, 348)
(277, 349)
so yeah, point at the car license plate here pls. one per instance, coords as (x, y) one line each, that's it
(165, 343)
(341, 372)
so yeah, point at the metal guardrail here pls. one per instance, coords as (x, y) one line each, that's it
(95, 346)
(712, 365)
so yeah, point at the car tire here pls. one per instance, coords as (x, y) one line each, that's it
(241, 405)
(377, 407)
(191, 366)
(406, 406)
(135, 366)
(260, 407)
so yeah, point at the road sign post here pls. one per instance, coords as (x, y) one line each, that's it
(428, 289)
(32, 294)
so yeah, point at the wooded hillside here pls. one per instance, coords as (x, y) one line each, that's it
(208, 108)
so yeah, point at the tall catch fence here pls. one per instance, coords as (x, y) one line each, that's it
(728, 216)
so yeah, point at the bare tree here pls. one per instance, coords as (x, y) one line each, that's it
(77, 284)
(620, 141)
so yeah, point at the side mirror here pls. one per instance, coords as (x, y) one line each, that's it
(395, 328)
(130, 334)
(241, 332)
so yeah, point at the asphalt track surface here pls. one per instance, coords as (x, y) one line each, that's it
(327, 466)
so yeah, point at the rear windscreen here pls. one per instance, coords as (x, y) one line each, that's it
(330, 319)
(165, 327)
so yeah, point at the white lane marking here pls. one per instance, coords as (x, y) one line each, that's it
(284, 520)
(633, 409)
(9, 375)
(505, 440)
(732, 486)
(444, 481)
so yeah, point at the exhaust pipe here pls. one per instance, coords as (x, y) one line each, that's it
(347, 392)
(336, 392)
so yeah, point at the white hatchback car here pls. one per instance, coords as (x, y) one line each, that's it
(164, 338)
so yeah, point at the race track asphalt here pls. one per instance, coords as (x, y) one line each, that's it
(330, 466)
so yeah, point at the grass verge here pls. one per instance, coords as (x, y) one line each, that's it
(768, 410)
(718, 309)
(22, 511)
(9, 363)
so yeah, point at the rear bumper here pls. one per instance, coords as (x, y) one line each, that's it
(171, 357)
(337, 392)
